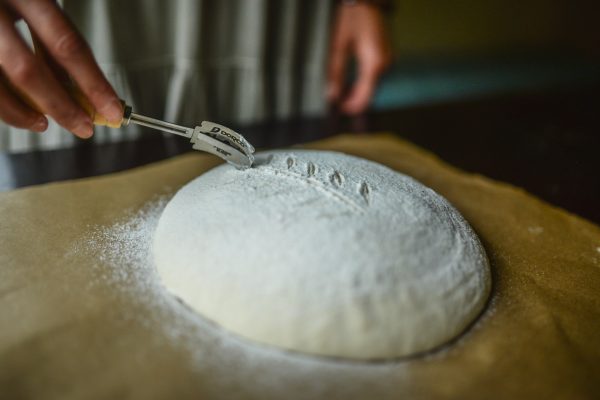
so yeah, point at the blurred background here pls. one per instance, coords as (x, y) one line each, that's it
(447, 50)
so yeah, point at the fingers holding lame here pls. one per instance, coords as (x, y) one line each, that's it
(49, 96)
(34, 82)
(16, 113)
(65, 45)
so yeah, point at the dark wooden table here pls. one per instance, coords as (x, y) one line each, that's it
(546, 142)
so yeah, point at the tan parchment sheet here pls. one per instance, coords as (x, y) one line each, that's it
(65, 332)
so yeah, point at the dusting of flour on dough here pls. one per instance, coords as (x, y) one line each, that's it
(323, 253)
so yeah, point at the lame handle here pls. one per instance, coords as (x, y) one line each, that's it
(97, 118)
(131, 117)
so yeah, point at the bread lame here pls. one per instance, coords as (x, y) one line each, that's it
(208, 136)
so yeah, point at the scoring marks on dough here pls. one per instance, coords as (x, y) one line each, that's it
(365, 192)
(331, 188)
(311, 169)
(290, 162)
(337, 179)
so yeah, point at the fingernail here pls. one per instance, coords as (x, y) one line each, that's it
(113, 111)
(40, 125)
(84, 130)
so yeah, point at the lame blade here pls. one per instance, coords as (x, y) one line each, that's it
(202, 141)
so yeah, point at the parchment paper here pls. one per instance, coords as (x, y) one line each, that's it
(67, 332)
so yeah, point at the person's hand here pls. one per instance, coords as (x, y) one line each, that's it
(358, 31)
(25, 75)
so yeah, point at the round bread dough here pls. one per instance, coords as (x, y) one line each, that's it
(323, 253)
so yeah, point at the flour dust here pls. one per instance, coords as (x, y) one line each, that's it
(122, 256)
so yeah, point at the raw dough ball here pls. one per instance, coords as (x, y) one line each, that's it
(323, 253)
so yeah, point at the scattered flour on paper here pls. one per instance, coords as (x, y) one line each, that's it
(124, 261)
(128, 243)
(535, 230)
